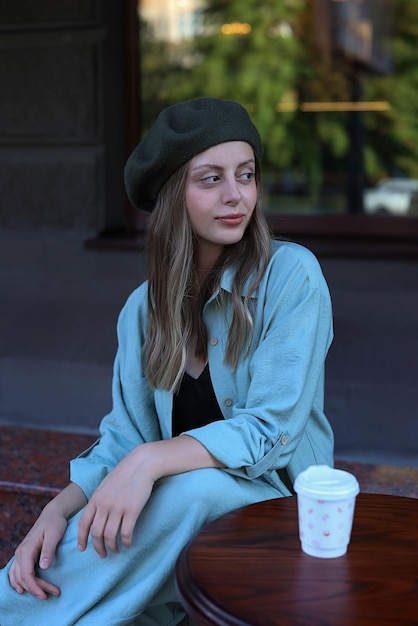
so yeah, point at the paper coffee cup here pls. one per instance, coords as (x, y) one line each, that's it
(326, 501)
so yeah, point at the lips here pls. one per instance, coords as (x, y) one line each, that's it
(232, 219)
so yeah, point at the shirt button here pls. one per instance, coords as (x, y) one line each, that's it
(228, 402)
(214, 341)
(284, 440)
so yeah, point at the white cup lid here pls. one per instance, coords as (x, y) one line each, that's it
(322, 481)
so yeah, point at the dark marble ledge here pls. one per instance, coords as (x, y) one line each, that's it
(384, 479)
(36, 462)
(34, 490)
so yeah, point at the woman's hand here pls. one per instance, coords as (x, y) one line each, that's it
(115, 506)
(38, 546)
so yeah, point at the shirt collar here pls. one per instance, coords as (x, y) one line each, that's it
(227, 280)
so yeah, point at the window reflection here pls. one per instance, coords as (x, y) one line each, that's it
(331, 85)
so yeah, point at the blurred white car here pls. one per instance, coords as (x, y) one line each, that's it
(393, 196)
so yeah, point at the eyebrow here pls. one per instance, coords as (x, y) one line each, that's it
(213, 166)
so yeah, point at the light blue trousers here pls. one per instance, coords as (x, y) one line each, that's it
(136, 586)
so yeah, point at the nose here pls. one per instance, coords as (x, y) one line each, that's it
(230, 191)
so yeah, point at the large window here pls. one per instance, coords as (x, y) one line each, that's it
(332, 86)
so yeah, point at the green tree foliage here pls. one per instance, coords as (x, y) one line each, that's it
(392, 136)
(264, 54)
(258, 68)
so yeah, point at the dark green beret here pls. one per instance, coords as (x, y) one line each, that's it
(180, 132)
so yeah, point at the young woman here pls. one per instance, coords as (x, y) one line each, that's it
(218, 385)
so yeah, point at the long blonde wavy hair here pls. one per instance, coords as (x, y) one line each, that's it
(174, 311)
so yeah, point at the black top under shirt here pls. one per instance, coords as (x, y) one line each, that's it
(195, 403)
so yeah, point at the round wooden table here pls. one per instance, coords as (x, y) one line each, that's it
(247, 569)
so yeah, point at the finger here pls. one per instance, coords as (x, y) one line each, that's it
(48, 588)
(22, 573)
(110, 532)
(84, 526)
(37, 587)
(97, 534)
(48, 550)
(127, 529)
(13, 579)
(41, 588)
(95, 525)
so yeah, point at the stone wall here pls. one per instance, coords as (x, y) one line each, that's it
(61, 136)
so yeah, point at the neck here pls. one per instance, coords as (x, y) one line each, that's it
(206, 258)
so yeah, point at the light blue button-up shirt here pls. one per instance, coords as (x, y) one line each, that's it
(273, 403)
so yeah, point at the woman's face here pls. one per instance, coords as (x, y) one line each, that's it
(221, 193)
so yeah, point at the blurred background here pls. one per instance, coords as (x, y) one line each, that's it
(332, 86)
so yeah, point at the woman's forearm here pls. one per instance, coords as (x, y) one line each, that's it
(175, 456)
(68, 502)
(157, 459)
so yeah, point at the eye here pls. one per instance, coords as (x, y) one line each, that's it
(247, 176)
(210, 180)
